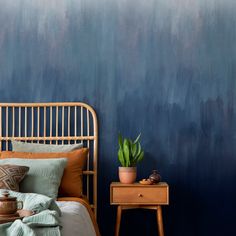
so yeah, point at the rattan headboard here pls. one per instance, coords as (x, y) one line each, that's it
(54, 123)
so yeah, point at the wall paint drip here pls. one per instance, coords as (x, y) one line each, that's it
(163, 68)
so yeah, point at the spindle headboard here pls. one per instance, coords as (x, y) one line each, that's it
(54, 123)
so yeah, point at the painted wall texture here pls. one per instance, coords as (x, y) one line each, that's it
(166, 68)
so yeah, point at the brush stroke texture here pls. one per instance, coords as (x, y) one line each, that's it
(165, 68)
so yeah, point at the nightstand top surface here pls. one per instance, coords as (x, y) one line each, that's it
(136, 184)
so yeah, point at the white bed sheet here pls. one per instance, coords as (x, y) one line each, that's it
(75, 219)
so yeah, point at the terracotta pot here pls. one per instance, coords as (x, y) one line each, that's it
(9, 205)
(127, 175)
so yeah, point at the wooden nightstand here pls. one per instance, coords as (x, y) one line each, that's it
(131, 196)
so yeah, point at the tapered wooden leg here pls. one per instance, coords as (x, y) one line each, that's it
(160, 221)
(118, 219)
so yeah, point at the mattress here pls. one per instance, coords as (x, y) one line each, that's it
(76, 219)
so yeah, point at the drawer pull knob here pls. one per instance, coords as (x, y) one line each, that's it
(140, 195)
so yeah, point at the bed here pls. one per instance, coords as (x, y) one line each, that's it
(59, 123)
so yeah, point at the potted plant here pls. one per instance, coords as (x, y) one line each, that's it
(129, 154)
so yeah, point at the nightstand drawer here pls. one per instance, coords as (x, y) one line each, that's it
(139, 195)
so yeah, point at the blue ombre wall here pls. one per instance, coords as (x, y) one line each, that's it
(166, 68)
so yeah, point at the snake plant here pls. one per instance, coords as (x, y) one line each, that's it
(130, 152)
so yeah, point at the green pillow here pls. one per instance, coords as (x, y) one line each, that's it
(18, 146)
(44, 176)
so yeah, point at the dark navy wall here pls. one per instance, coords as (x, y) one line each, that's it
(163, 68)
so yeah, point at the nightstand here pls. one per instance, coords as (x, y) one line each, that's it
(131, 196)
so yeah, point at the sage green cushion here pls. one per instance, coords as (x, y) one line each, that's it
(18, 146)
(44, 175)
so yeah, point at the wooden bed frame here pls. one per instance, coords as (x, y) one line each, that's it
(54, 123)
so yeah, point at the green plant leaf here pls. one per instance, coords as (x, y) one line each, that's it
(130, 152)
(133, 150)
(140, 157)
(121, 157)
(138, 151)
(120, 141)
(137, 139)
(126, 152)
